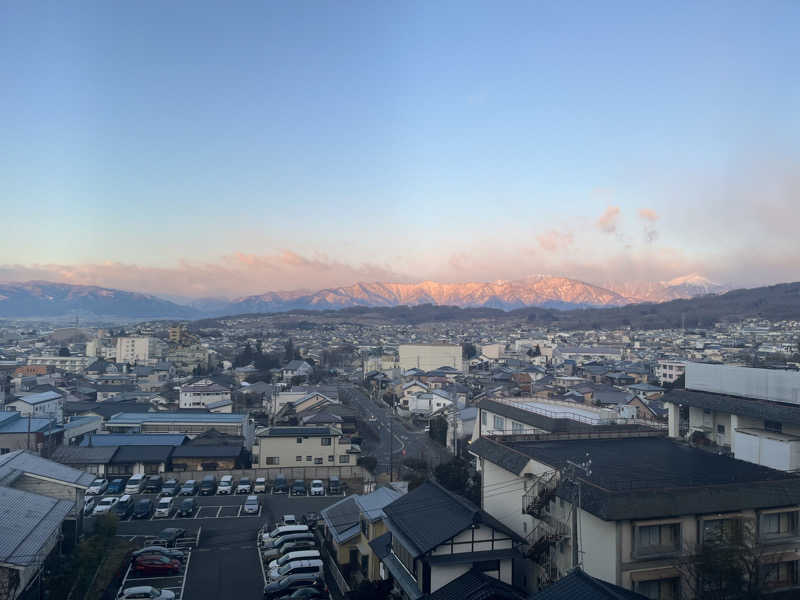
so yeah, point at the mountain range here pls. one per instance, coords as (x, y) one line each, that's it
(46, 299)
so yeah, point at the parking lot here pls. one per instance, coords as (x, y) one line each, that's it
(225, 562)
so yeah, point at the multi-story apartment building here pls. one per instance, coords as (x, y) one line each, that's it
(137, 349)
(202, 393)
(669, 371)
(317, 446)
(69, 364)
(634, 510)
(429, 356)
(752, 413)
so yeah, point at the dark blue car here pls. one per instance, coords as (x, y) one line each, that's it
(117, 486)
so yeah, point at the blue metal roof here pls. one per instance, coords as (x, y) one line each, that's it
(40, 397)
(175, 417)
(17, 423)
(134, 439)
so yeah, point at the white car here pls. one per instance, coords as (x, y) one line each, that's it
(252, 504)
(145, 591)
(317, 488)
(289, 520)
(260, 486)
(372, 419)
(244, 487)
(97, 487)
(164, 506)
(89, 502)
(105, 505)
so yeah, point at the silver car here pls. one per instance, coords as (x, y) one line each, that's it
(252, 505)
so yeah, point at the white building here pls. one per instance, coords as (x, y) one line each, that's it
(668, 371)
(429, 357)
(753, 413)
(137, 349)
(69, 364)
(317, 446)
(44, 404)
(202, 393)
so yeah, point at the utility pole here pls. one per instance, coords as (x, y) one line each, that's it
(569, 474)
(391, 440)
(28, 439)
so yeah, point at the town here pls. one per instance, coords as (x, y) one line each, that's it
(436, 459)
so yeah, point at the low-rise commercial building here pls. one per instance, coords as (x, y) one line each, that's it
(300, 447)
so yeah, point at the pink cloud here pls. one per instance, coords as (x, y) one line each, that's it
(607, 222)
(648, 214)
(554, 240)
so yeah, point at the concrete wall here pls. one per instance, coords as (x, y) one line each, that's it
(429, 357)
(50, 488)
(599, 546)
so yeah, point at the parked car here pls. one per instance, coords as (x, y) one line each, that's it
(189, 488)
(287, 520)
(168, 552)
(334, 485)
(164, 507)
(97, 487)
(260, 486)
(105, 505)
(225, 485)
(290, 556)
(244, 487)
(208, 487)
(270, 538)
(153, 484)
(145, 592)
(135, 484)
(117, 486)
(143, 509)
(307, 593)
(280, 485)
(291, 543)
(124, 507)
(287, 585)
(298, 567)
(168, 537)
(89, 502)
(156, 564)
(299, 488)
(187, 507)
(252, 504)
(170, 487)
(317, 488)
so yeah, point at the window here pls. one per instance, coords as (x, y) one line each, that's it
(721, 429)
(780, 575)
(660, 589)
(298, 459)
(722, 529)
(365, 527)
(775, 426)
(326, 441)
(318, 460)
(330, 457)
(273, 460)
(779, 524)
(344, 459)
(308, 459)
(484, 418)
(486, 565)
(516, 427)
(299, 440)
(499, 422)
(404, 556)
(657, 539)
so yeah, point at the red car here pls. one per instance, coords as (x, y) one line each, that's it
(155, 563)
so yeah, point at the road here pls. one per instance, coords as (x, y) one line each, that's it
(403, 442)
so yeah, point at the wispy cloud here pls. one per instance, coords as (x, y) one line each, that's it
(554, 240)
(607, 223)
(648, 214)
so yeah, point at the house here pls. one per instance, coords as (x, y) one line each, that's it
(425, 550)
(580, 585)
(752, 413)
(211, 451)
(351, 524)
(94, 460)
(75, 428)
(296, 368)
(460, 426)
(279, 446)
(38, 434)
(426, 405)
(203, 392)
(645, 504)
(44, 404)
(188, 423)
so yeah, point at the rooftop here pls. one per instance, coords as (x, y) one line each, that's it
(739, 405)
(297, 432)
(175, 417)
(580, 586)
(40, 397)
(20, 461)
(134, 439)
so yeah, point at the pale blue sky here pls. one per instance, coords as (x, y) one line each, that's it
(430, 139)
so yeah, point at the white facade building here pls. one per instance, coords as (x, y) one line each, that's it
(202, 393)
(69, 364)
(668, 371)
(137, 349)
(429, 357)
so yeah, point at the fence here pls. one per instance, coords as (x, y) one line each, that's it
(344, 473)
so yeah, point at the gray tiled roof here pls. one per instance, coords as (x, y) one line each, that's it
(25, 462)
(27, 521)
(500, 455)
(474, 585)
(342, 518)
(580, 586)
(144, 454)
(70, 455)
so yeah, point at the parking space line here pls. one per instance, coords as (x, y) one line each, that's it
(186, 570)
(260, 559)
(259, 510)
(219, 510)
(239, 514)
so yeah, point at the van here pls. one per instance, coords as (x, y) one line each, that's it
(152, 484)
(298, 555)
(271, 538)
(135, 484)
(225, 485)
(311, 567)
(208, 486)
(260, 486)
(280, 485)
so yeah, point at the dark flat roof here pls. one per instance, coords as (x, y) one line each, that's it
(143, 454)
(738, 405)
(207, 451)
(650, 477)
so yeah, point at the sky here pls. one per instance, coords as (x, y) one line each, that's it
(203, 149)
